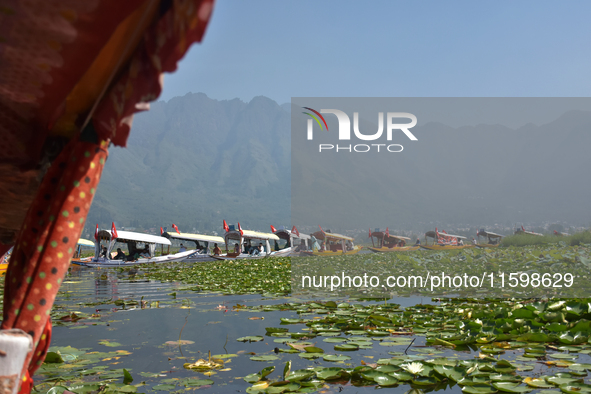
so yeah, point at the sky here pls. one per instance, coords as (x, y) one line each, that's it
(284, 49)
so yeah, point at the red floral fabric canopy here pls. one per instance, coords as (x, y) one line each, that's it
(72, 74)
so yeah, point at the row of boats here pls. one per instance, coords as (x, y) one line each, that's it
(247, 244)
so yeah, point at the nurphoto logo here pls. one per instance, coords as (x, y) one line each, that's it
(345, 130)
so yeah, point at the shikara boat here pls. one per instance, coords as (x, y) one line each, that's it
(333, 244)
(203, 245)
(295, 240)
(561, 234)
(386, 242)
(245, 241)
(141, 248)
(82, 243)
(444, 241)
(492, 240)
(523, 231)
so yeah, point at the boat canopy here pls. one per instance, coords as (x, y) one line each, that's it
(286, 234)
(488, 234)
(131, 236)
(194, 237)
(382, 234)
(520, 231)
(322, 235)
(433, 234)
(248, 234)
(85, 242)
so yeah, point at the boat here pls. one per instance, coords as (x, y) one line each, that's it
(523, 231)
(332, 244)
(82, 243)
(203, 245)
(444, 241)
(386, 242)
(561, 234)
(243, 243)
(492, 240)
(296, 241)
(109, 239)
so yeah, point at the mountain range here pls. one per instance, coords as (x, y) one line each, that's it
(195, 161)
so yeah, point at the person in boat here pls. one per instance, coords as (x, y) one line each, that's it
(418, 243)
(474, 241)
(120, 255)
(460, 243)
(262, 248)
(104, 252)
(182, 248)
(402, 243)
(255, 251)
(236, 248)
(216, 250)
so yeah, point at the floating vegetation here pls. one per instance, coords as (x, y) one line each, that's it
(278, 344)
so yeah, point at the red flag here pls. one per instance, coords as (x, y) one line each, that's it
(96, 233)
(226, 226)
(240, 228)
(113, 231)
(295, 230)
(522, 227)
(174, 226)
(273, 229)
(369, 233)
(161, 231)
(321, 229)
(387, 232)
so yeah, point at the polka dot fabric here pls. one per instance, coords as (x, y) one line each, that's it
(47, 242)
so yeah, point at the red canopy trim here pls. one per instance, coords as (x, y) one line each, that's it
(47, 240)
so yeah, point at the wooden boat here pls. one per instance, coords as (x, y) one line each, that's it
(242, 241)
(295, 240)
(332, 244)
(82, 243)
(386, 242)
(110, 238)
(492, 240)
(523, 231)
(444, 241)
(203, 245)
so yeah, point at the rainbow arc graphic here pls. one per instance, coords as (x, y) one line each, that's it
(316, 118)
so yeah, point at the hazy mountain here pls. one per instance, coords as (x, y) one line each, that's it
(195, 161)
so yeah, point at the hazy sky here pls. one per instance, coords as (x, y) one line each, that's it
(281, 49)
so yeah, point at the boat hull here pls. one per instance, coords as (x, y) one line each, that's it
(446, 247)
(397, 249)
(245, 256)
(355, 250)
(484, 246)
(103, 262)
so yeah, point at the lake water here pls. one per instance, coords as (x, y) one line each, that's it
(138, 317)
